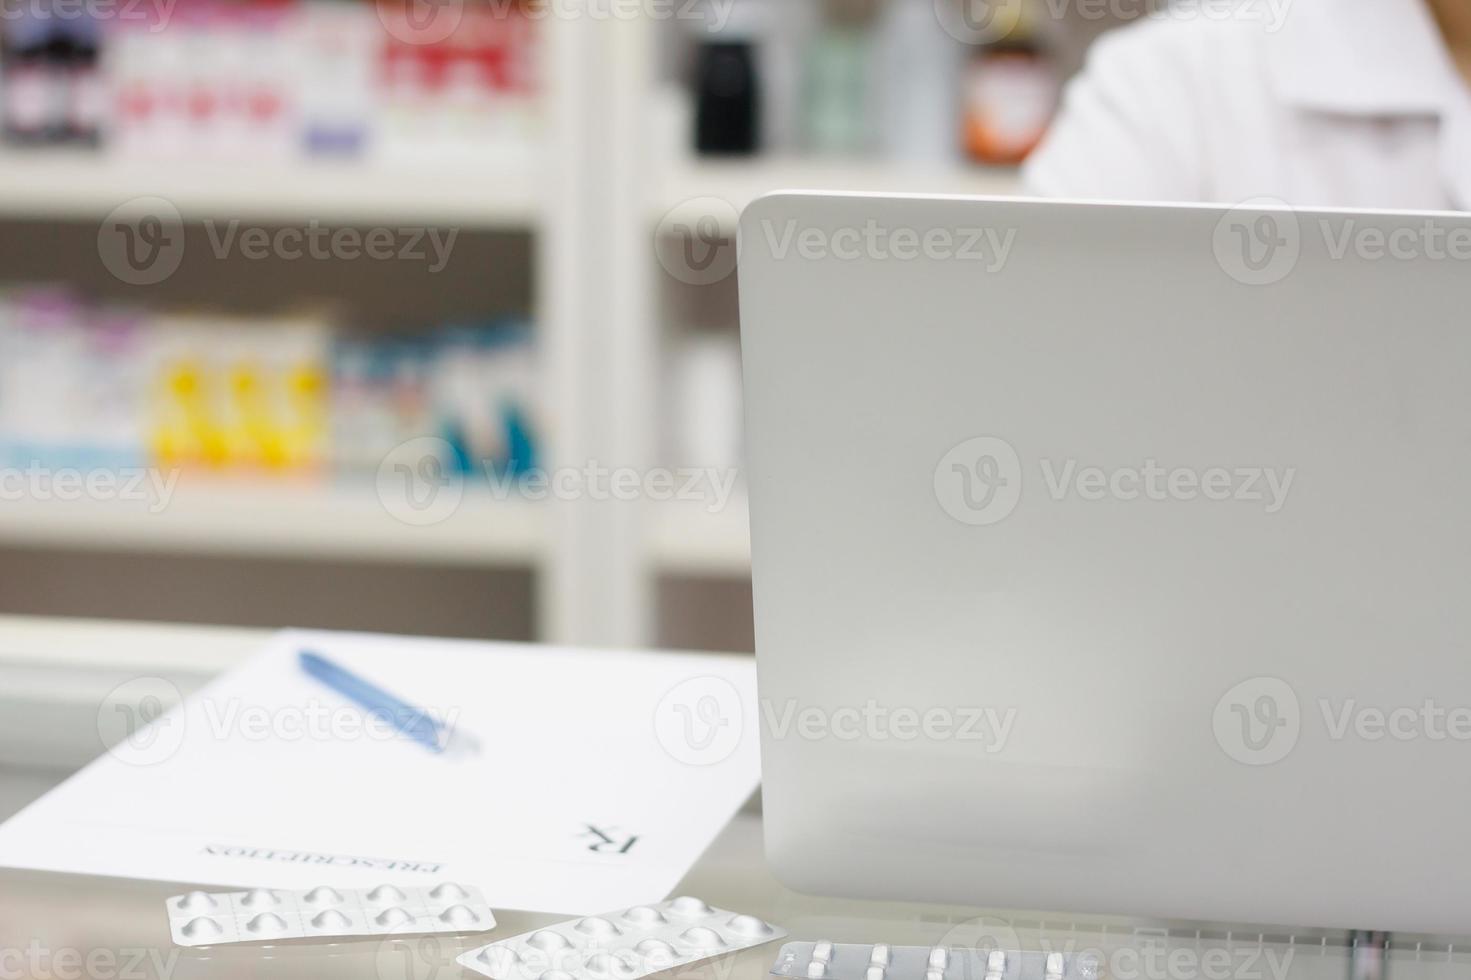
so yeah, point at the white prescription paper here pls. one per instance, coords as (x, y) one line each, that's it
(602, 776)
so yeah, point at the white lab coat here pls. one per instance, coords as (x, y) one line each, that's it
(1348, 103)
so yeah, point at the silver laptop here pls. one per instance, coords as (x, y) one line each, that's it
(1114, 558)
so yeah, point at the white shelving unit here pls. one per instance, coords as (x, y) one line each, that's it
(230, 517)
(687, 539)
(82, 186)
(591, 198)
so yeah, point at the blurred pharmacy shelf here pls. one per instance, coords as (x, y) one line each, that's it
(684, 192)
(235, 518)
(604, 166)
(688, 539)
(502, 192)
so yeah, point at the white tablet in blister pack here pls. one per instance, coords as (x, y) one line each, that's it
(623, 945)
(209, 919)
(880, 961)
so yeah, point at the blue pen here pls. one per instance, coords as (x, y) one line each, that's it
(406, 719)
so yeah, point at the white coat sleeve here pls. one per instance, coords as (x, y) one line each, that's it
(1129, 125)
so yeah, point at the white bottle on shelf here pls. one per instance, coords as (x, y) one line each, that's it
(918, 81)
(791, 26)
(707, 406)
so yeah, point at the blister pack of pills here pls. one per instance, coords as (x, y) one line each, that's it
(851, 961)
(624, 945)
(209, 919)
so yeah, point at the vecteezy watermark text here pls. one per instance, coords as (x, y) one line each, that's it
(697, 242)
(315, 721)
(988, 247)
(979, 482)
(872, 721)
(154, 13)
(1260, 721)
(37, 961)
(146, 485)
(715, 14)
(984, 21)
(433, 21)
(322, 242)
(1143, 956)
(1270, 14)
(418, 484)
(1260, 241)
(1151, 481)
(143, 723)
(1158, 960)
(142, 242)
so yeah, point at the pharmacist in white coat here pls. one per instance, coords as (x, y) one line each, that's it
(1348, 103)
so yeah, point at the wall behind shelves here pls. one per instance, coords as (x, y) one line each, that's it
(487, 274)
(705, 614)
(396, 598)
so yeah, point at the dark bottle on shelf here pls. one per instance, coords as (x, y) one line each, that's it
(727, 100)
(30, 85)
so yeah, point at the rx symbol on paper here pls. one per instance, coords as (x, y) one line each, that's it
(609, 841)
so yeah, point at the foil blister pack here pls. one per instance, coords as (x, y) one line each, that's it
(625, 945)
(262, 914)
(880, 961)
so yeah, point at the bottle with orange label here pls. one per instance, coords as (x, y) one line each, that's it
(1011, 88)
